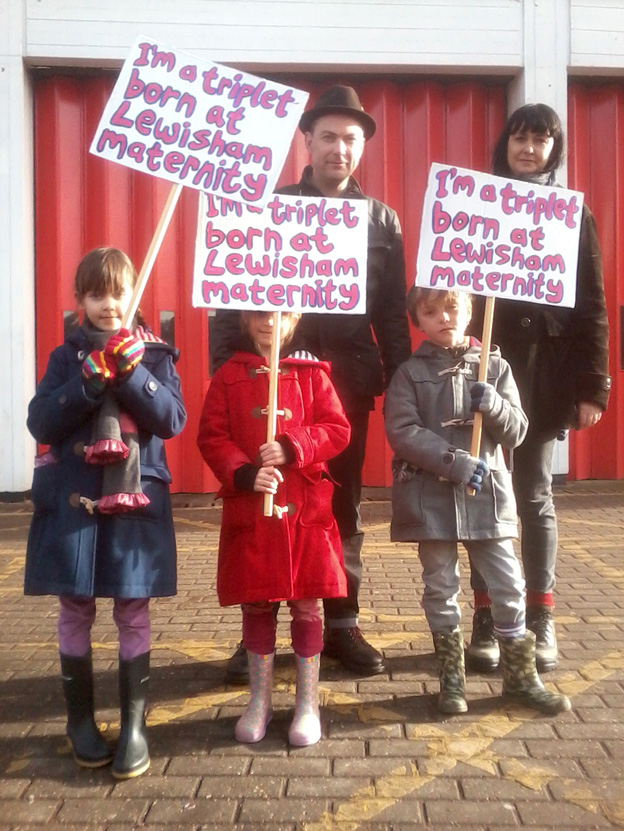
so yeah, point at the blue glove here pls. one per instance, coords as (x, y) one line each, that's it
(484, 398)
(476, 480)
(468, 470)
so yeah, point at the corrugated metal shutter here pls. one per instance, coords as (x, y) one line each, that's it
(83, 201)
(596, 127)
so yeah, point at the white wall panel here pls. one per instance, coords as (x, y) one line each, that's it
(597, 37)
(351, 33)
(17, 311)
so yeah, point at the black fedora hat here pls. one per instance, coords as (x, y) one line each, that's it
(342, 101)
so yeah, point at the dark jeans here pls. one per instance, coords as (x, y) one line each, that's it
(532, 483)
(346, 470)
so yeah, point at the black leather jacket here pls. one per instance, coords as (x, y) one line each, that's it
(364, 350)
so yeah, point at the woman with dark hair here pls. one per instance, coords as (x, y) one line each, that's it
(559, 358)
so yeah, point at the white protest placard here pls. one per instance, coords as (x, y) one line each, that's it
(298, 254)
(499, 237)
(198, 124)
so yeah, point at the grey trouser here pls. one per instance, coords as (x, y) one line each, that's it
(496, 561)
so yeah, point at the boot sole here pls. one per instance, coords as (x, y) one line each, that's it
(131, 774)
(88, 763)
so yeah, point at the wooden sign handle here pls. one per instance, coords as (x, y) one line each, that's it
(486, 343)
(152, 251)
(272, 405)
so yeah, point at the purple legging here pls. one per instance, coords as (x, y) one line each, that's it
(76, 617)
(306, 628)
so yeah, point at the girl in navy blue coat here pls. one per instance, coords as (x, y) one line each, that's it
(102, 523)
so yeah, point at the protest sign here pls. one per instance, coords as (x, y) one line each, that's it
(298, 254)
(198, 124)
(499, 237)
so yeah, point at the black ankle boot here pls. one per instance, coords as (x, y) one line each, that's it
(132, 754)
(88, 745)
(483, 653)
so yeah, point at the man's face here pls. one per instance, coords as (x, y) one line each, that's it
(335, 145)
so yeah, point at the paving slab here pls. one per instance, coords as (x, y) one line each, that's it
(387, 761)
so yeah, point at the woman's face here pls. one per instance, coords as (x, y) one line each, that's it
(528, 152)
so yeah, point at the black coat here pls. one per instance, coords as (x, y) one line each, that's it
(71, 551)
(559, 356)
(364, 350)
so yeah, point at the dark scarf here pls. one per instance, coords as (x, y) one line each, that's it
(115, 446)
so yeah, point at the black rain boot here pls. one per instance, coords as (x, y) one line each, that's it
(449, 650)
(521, 683)
(88, 744)
(132, 754)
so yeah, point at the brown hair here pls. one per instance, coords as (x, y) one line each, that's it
(103, 271)
(419, 295)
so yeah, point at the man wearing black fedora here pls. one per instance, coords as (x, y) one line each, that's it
(364, 350)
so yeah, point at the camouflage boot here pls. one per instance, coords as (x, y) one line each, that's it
(521, 683)
(449, 649)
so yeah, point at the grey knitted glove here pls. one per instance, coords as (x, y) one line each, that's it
(485, 399)
(468, 469)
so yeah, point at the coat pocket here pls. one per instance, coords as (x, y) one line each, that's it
(504, 500)
(407, 503)
(316, 510)
(46, 482)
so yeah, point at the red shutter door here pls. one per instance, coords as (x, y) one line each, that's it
(595, 163)
(83, 201)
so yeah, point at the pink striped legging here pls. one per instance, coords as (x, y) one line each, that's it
(76, 617)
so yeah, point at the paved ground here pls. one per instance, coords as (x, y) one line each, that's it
(387, 760)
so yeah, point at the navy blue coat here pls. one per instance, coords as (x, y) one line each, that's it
(71, 551)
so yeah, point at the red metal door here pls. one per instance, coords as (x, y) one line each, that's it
(83, 201)
(596, 119)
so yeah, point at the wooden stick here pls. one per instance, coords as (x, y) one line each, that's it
(486, 343)
(272, 407)
(152, 251)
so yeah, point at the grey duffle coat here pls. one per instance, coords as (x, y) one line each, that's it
(70, 550)
(428, 418)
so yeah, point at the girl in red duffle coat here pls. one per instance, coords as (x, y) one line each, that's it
(294, 555)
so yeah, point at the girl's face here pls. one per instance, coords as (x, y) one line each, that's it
(444, 323)
(528, 152)
(260, 327)
(106, 311)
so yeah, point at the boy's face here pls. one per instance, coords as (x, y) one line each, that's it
(444, 322)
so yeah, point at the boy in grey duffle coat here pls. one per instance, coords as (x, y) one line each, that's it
(429, 418)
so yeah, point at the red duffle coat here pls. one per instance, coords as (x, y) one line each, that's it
(266, 558)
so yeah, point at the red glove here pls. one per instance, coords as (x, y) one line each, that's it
(125, 350)
(98, 370)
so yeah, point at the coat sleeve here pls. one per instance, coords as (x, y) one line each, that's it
(222, 455)
(330, 431)
(507, 424)
(591, 326)
(389, 318)
(152, 395)
(410, 440)
(60, 405)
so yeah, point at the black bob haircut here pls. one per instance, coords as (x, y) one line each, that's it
(539, 118)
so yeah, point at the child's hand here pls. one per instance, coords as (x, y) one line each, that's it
(484, 397)
(98, 370)
(272, 453)
(126, 350)
(267, 480)
(468, 469)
